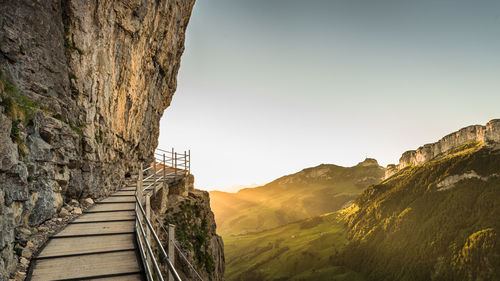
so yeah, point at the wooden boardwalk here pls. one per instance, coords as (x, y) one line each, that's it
(98, 245)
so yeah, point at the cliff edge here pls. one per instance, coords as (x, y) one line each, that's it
(83, 87)
(488, 135)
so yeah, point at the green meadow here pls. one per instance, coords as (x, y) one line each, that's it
(303, 250)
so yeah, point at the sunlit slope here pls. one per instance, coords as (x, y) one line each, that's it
(437, 221)
(310, 192)
(299, 251)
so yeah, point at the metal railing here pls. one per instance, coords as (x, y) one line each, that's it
(177, 247)
(167, 167)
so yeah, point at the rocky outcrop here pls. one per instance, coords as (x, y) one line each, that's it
(450, 181)
(483, 135)
(390, 170)
(83, 87)
(195, 230)
(368, 162)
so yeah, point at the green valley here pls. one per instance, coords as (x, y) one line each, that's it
(304, 250)
(436, 217)
(310, 192)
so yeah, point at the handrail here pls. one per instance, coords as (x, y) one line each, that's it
(157, 240)
(147, 168)
(157, 180)
(154, 173)
(181, 165)
(148, 247)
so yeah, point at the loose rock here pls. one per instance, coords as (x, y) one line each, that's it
(88, 201)
(27, 253)
(77, 211)
(43, 228)
(24, 262)
(63, 213)
(20, 276)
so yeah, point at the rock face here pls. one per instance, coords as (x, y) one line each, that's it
(368, 162)
(83, 87)
(195, 230)
(487, 135)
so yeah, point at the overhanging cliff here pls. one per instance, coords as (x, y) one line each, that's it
(83, 87)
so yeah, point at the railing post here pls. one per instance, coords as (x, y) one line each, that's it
(171, 248)
(154, 176)
(164, 170)
(185, 162)
(138, 190)
(172, 161)
(139, 184)
(148, 216)
(189, 162)
(175, 165)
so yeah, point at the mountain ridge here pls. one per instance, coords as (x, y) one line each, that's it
(309, 192)
(488, 134)
(434, 220)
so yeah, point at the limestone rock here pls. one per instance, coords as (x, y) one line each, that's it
(182, 187)
(487, 135)
(24, 262)
(77, 211)
(22, 234)
(98, 76)
(43, 228)
(27, 253)
(46, 205)
(492, 131)
(193, 217)
(88, 202)
(368, 162)
(20, 276)
(8, 150)
(390, 170)
(64, 213)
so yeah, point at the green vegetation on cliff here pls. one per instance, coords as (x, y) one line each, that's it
(436, 221)
(192, 232)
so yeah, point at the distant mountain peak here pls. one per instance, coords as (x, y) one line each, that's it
(368, 162)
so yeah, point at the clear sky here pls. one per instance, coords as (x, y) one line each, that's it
(269, 87)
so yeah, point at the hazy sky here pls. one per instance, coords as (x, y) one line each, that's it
(269, 87)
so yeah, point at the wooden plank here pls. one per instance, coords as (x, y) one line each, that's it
(97, 228)
(118, 199)
(129, 277)
(122, 215)
(86, 245)
(111, 207)
(124, 192)
(86, 266)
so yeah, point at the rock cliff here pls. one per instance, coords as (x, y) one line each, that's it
(83, 87)
(200, 250)
(485, 135)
